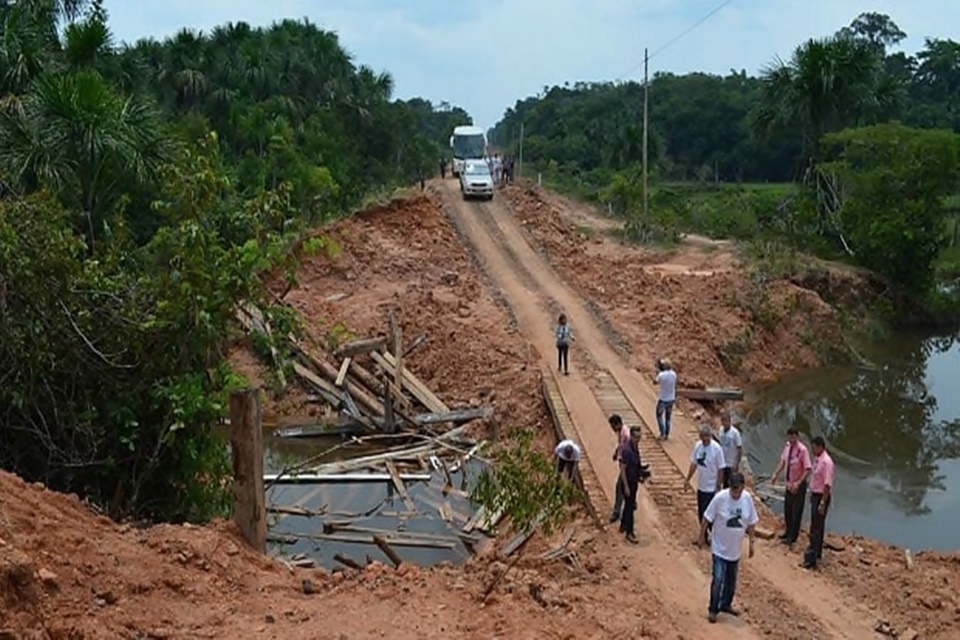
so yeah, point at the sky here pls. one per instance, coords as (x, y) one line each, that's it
(485, 56)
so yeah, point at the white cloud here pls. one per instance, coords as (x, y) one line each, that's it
(485, 56)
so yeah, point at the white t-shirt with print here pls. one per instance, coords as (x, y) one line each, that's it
(730, 441)
(730, 519)
(667, 382)
(709, 461)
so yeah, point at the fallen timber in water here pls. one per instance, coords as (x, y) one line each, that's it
(711, 394)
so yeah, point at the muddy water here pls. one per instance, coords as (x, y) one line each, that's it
(374, 505)
(894, 433)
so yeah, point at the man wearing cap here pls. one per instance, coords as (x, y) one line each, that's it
(630, 483)
(568, 456)
(623, 439)
(706, 460)
(733, 516)
(796, 466)
(821, 488)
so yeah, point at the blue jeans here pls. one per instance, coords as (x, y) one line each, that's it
(664, 412)
(723, 585)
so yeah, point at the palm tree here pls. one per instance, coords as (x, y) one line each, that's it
(827, 85)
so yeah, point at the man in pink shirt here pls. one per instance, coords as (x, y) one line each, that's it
(821, 488)
(796, 466)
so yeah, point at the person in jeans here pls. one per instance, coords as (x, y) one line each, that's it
(796, 466)
(568, 456)
(821, 488)
(733, 516)
(706, 460)
(666, 380)
(623, 439)
(630, 483)
(564, 337)
(732, 444)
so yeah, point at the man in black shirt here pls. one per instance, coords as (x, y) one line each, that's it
(630, 483)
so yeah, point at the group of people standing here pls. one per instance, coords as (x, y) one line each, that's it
(501, 168)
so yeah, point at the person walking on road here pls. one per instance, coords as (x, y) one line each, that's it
(666, 380)
(733, 516)
(821, 489)
(732, 444)
(796, 466)
(706, 460)
(623, 440)
(443, 168)
(568, 457)
(564, 337)
(630, 483)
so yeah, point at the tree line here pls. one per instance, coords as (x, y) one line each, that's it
(868, 137)
(146, 190)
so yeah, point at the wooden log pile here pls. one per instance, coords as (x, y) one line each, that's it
(368, 381)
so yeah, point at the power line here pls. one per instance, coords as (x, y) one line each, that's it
(676, 39)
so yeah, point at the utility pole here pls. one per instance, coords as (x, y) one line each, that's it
(520, 163)
(646, 118)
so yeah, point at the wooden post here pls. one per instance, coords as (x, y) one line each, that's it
(397, 347)
(389, 422)
(246, 443)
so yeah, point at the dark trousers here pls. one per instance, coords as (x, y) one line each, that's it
(703, 501)
(664, 413)
(793, 512)
(818, 525)
(563, 357)
(723, 584)
(725, 474)
(626, 516)
(618, 500)
(566, 467)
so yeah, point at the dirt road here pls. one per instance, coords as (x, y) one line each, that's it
(778, 597)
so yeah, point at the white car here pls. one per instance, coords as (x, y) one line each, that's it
(476, 181)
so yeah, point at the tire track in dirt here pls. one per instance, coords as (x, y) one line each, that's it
(673, 576)
(774, 590)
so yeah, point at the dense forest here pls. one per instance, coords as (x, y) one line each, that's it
(848, 150)
(710, 127)
(145, 191)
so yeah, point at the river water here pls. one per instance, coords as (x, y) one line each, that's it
(893, 432)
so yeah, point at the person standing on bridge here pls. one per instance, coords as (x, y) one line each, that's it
(568, 456)
(732, 444)
(733, 515)
(706, 460)
(630, 466)
(796, 466)
(623, 440)
(564, 337)
(666, 380)
(821, 488)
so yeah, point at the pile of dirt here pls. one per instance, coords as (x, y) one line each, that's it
(698, 304)
(404, 257)
(68, 573)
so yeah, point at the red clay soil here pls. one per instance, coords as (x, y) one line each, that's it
(67, 573)
(697, 304)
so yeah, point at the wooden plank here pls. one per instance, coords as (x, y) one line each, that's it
(330, 372)
(521, 538)
(401, 488)
(420, 339)
(381, 542)
(319, 478)
(370, 381)
(246, 443)
(343, 428)
(360, 347)
(456, 416)
(411, 384)
(330, 393)
(711, 394)
(342, 374)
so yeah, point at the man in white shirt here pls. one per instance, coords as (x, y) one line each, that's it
(732, 444)
(568, 456)
(666, 380)
(733, 516)
(706, 460)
